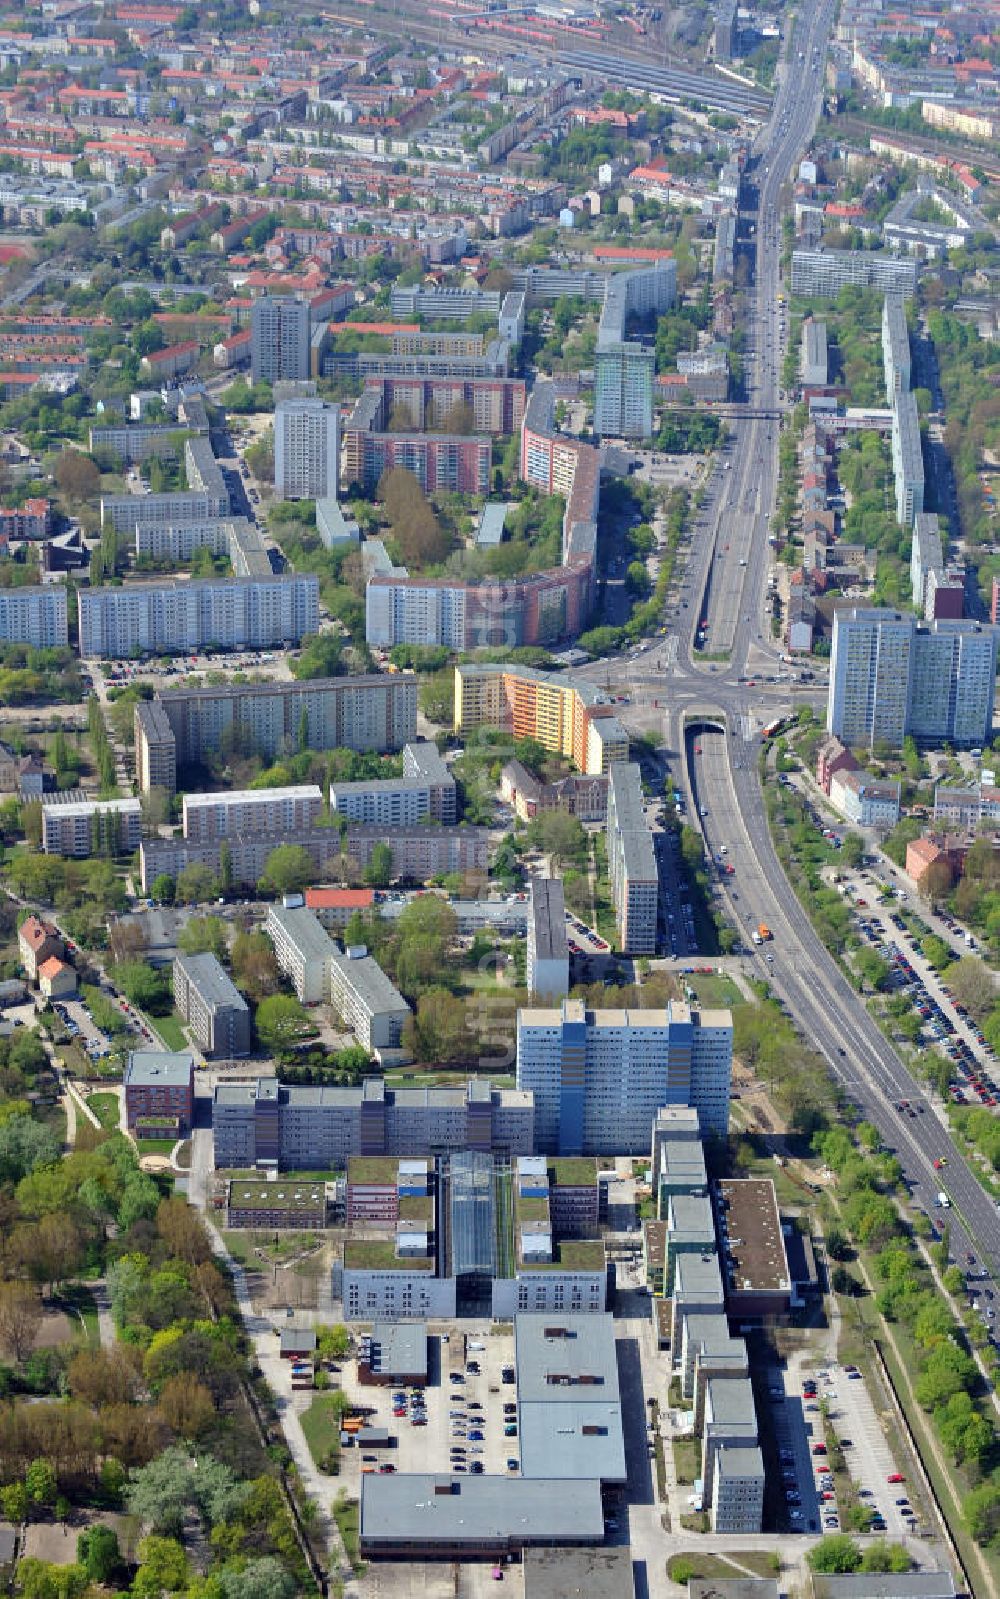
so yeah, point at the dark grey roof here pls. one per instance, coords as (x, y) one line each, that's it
(548, 918)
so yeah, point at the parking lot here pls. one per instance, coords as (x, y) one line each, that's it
(852, 1416)
(457, 1423)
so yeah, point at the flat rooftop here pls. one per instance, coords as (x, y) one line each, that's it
(548, 918)
(254, 796)
(399, 1347)
(158, 1068)
(579, 1573)
(207, 976)
(569, 1402)
(285, 1195)
(477, 1511)
(751, 1242)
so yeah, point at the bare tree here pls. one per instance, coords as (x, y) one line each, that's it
(20, 1315)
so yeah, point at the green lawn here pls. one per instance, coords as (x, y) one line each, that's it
(105, 1108)
(714, 991)
(155, 1146)
(687, 1459)
(170, 1029)
(78, 1303)
(346, 1514)
(321, 1425)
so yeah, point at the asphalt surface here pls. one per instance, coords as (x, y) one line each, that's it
(675, 689)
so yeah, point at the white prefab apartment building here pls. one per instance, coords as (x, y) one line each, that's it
(306, 445)
(303, 949)
(891, 675)
(34, 616)
(635, 886)
(258, 810)
(177, 615)
(91, 827)
(600, 1076)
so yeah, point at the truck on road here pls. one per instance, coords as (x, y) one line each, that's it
(943, 1200)
(764, 931)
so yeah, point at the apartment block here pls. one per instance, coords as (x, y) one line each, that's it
(303, 949)
(925, 555)
(548, 949)
(377, 712)
(159, 1088)
(182, 617)
(212, 1006)
(907, 458)
(440, 462)
(496, 405)
(818, 274)
(635, 881)
(563, 712)
(891, 676)
(306, 449)
(422, 851)
(279, 339)
(318, 1129)
(127, 512)
(254, 810)
(539, 608)
(177, 543)
(599, 1077)
(155, 748)
(34, 616)
(387, 802)
(895, 347)
(623, 390)
(367, 1001)
(423, 764)
(80, 827)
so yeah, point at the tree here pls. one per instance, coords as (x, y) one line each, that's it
(255, 967)
(163, 889)
(196, 885)
(186, 1407)
(142, 985)
(14, 1503)
(378, 872)
(320, 656)
(982, 1512)
(20, 1316)
(852, 850)
(204, 935)
(333, 1343)
(265, 1578)
(180, 1227)
(160, 1493)
(281, 1023)
(37, 1579)
(163, 1568)
(882, 1556)
(287, 870)
(77, 475)
(41, 1482)
(835, 1554)
(24, 1145)
(98, 1553)
(972, 984)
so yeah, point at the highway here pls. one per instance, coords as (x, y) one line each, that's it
(716, 705)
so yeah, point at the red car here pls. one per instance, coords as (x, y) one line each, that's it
(895, 1476)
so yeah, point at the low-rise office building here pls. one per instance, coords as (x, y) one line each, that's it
(730, 1423)
(159, 1090)
(279, 1205)
(752, 1250)
(474, 1517)
(569, 1404)
(738, 1496)
(212, 1005)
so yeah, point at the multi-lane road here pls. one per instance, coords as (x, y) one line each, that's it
(708, 705)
